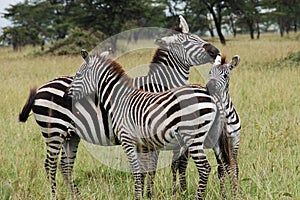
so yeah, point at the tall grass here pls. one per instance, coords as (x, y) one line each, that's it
(265, 90)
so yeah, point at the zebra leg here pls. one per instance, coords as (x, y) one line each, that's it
(152, 170)
(149, 159)
(53, 147)
(221, 175)
(143, 157)
(182, 165)
(203, 168)
(174, 168)
(135, 164)
(150, 183)
(143, 177)
(233, 168)
(68, 157)
(179, 163)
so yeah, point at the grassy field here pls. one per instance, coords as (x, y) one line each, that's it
(265, 90)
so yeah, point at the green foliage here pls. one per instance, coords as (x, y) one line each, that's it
(77, 39)
(112, 17)
(285, 12)
(41, 21)
(20, 36)
(196, 15)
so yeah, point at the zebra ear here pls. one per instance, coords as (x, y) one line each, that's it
(84, 53)
(235, 61)
(183, 24)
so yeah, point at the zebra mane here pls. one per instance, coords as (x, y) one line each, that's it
(159, 53)
(175, 29)
(114, 66)
(223, 59)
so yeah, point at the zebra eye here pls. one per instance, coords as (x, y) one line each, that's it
(225, 75)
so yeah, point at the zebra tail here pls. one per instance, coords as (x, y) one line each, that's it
(225, 147)
(23, 116)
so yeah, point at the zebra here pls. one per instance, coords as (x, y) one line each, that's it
(52, 110)
(218, 85)
(147, 122)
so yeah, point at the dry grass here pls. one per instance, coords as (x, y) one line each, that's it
(265, 90)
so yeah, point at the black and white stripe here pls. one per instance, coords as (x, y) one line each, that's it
(53, 111)
(218, 85)
(147, 122)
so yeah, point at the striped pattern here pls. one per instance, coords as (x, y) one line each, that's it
(218, 84)
(53, 114)
(145, 122)
(53, 111)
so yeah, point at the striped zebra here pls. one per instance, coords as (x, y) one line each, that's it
(168, 69)
(146, 122)
(218, 85)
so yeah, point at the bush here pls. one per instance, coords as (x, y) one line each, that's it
(76, 40)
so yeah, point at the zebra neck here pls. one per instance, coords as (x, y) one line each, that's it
(227, 103)
(167, 69)
(116, 97)
(114, 89)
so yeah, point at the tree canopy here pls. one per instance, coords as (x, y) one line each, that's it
(38, 21)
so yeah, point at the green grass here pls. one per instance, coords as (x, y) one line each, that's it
(265, 90)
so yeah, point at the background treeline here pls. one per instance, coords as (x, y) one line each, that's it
(82, 23)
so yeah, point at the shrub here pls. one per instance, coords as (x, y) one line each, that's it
(76, 40)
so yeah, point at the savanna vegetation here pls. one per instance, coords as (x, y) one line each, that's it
(212, 17)
(264, 88)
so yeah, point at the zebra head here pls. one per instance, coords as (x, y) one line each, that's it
(83, 83)
(188, 48)
(218, 82)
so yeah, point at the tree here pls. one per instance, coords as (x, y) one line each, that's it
(33, 22)
(60, 16)
(248, 13)
(20, 36)
(216, 9)
(202, 12)
(112, 17)
(287, 13)
(37, 21)
(197, 16)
